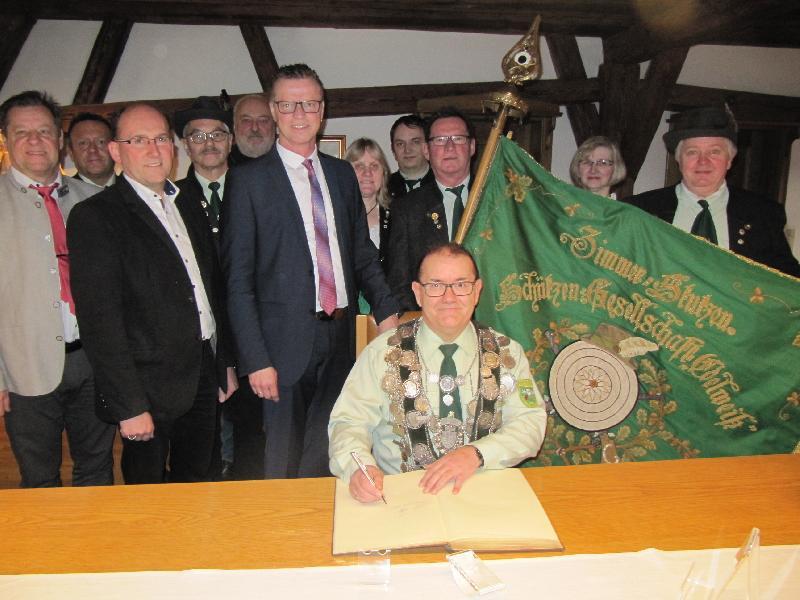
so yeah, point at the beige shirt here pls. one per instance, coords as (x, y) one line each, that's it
(361, 419)
(31, 319)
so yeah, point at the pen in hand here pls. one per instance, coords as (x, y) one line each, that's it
(363, 468)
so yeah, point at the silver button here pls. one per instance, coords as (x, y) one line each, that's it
(60, 338)
(48, 237)
(52, 270)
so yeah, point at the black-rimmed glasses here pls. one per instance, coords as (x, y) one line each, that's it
(435, 289)
(287, 107)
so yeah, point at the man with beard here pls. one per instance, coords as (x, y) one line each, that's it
(253, 127)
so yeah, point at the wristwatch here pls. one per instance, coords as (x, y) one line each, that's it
(480, 456)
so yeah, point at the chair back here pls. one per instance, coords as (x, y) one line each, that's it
(367, 329)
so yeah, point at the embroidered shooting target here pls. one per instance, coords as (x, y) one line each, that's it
(592, 389)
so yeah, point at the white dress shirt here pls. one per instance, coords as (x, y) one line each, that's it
(688, 209)
(449, 200)
(170, 218)
(206, 190)
(298, 177)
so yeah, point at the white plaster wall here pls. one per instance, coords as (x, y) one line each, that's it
(163, 61)
(793, 201)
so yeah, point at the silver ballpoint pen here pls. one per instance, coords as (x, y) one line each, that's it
(363, 468)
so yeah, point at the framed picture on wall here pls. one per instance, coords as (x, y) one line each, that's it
(335, 145)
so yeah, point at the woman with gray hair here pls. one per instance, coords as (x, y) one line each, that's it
(597, 166)
(372, 172)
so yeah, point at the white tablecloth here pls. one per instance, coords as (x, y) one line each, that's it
(650, 574)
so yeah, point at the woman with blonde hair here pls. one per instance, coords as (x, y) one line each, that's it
(372, 172)
(597, 166)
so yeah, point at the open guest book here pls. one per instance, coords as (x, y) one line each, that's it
(494, 511)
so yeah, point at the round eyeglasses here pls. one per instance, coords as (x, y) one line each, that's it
(201, 136)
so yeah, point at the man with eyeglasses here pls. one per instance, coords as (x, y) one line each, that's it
(296, 253)
(205, 129)
(149, 298)
(253, 127)
(440, 393)
(87, 143)
(408, 141)
(430, 214)
(46, 382)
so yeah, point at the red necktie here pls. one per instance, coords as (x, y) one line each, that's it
(327, 283)
(59, 240)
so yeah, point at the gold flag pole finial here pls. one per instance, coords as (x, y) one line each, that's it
(521, 63)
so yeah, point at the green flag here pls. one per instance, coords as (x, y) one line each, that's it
(648, 343)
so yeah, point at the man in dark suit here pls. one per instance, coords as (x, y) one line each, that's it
(408, 140)
(205, 128)
(148, 293)
(87, 143)
(703, 142)
(430, 215)
(296, 252)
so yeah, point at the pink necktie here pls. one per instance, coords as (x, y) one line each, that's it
(59, 240)
(327, 283)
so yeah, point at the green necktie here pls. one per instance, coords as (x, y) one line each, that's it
(458, 208)
(448, 390)
(215, 199)
(704, 225)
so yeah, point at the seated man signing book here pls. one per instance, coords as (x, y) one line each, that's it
(441, 393)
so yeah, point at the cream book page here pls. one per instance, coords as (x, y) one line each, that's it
(496, 510)
(409, 518)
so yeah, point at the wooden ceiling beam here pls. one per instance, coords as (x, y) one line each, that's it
(583, 117)
(618, 85)
(651, 102)
(579, 17)
(751, 107)
(666, 25)
(391, 100)
(102, 64)
(255, 37)
(14, 31)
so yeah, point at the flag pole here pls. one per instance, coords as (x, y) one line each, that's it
(507, 104)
